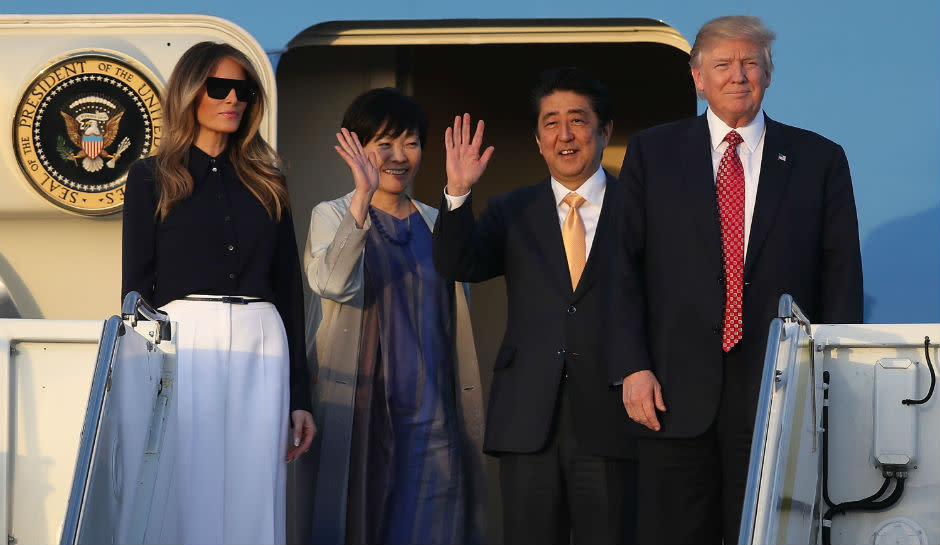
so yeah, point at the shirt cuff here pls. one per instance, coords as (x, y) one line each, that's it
(454, 203)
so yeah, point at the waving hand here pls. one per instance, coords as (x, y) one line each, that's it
(465, 163)
(365, 171)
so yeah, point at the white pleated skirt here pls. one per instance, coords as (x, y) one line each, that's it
(222, 476)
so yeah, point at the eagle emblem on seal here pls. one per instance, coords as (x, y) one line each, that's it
(92, 124)
(80, 125)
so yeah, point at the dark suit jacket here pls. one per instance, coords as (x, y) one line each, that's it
(803, 241)
(551, 330)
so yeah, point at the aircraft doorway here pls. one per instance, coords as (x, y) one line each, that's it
(485, 68)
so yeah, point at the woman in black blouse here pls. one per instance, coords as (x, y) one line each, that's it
(208, 237)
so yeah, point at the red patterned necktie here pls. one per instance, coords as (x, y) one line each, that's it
(730, 187)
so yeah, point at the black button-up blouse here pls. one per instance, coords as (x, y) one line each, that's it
(219, 241)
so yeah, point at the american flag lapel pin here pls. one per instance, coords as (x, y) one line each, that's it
(782, 158)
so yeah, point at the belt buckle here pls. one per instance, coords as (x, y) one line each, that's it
(234, 300)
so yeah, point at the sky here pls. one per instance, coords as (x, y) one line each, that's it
(859, 72)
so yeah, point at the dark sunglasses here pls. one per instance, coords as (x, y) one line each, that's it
(219, 88)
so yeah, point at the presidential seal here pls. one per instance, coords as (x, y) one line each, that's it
(80, 125)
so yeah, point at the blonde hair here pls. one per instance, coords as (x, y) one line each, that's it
(733, 27)
(256, 163)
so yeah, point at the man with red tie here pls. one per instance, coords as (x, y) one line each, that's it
(723, 214)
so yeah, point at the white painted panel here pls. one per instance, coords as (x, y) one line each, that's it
(851, 354)
(49, 373)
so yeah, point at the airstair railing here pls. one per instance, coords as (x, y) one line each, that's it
(113, 330)
(787, 311)
(134, 306)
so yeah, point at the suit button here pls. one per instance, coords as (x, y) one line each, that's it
(721, 279)
(560, 353)
(716, 330)
(571, 310)
(231, 276)
(231, 247)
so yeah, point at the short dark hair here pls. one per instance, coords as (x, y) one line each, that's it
(566, 78)
(388, 110)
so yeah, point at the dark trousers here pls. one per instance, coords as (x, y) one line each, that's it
(561, 496)
(692, 490)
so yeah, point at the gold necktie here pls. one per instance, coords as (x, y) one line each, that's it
(572, 234)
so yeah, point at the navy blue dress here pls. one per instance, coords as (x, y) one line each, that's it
(409, 486)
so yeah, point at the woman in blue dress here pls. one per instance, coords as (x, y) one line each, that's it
(397, 395)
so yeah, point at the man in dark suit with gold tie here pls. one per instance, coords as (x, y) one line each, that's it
(723, 214)
(554, 419)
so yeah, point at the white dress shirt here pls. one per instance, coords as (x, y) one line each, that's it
(593, 190)
(751, 151)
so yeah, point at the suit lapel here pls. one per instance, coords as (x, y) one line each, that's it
(772, 184)
(602, 236)
(542, 219)
(699, 178)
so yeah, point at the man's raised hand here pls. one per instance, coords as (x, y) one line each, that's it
(465, 163)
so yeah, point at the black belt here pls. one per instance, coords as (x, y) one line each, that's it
(230, 299)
